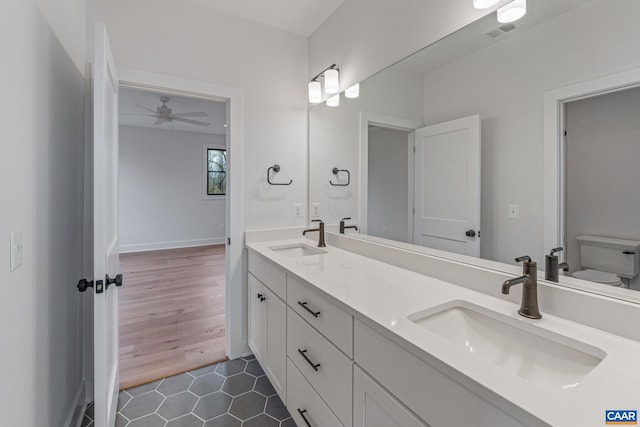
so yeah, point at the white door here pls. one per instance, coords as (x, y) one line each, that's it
(447, 186)
(105, 231)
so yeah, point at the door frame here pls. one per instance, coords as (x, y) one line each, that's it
(389, 122)
(236, 337)
(554, 146)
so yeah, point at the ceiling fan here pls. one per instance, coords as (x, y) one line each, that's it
(164, 114)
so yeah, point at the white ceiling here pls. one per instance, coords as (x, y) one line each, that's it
(301, 17)
(131, 99)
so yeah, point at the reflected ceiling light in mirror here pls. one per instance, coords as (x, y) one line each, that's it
(512, 11)
(315, 92)
(353, 91)
(334, 101)
(483, 4)
(332, 81)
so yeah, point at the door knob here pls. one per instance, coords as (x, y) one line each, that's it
(83, 284)
(470, 233)
(113, 281)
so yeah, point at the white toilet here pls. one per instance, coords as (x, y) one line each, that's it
(608, 261)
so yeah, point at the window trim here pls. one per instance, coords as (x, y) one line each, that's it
(205, 172)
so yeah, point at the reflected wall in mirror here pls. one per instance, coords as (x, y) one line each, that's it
(503, 78)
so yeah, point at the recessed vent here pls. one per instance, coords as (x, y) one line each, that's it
(500, 31)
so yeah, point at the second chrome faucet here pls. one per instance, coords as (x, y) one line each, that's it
(529, 279)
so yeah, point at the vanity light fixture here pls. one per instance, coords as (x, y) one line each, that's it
(353, 91)
(512, 11)
(331, 76)
(483, 4)
(334, 101)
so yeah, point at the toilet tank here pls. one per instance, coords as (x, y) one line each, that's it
(618, 256)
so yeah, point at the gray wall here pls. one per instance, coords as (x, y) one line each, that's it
(603, 169)
(388, 197)
(161, 190)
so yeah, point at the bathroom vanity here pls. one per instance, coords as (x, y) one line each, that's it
(422, 340)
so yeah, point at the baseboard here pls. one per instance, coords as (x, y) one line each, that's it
(76, 411)
(157, 246)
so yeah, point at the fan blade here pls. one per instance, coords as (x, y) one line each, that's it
(159, 121)
(139, 114)
(194, 114)
(147, 109)
(193, 122)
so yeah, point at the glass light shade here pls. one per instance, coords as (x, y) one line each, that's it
(483, 4)
(353, 91)
(512, 11)
(315, 92)
(331, 81)
(334, 101)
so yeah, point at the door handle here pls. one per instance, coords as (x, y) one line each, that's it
(470, 233)
(113, 281)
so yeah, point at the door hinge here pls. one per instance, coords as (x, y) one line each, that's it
(565, 133)
(229, 241)
(414, 149)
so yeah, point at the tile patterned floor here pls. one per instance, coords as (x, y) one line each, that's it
(235, 393)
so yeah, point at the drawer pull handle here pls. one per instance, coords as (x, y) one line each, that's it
(304, 305)
(315, 366)
(306, 421)
(261, 297)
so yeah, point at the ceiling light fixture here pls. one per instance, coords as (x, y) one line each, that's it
(512, 11)
(315, 92)
(353, 91)
(483, 4)
(331, 76)
(334, 101)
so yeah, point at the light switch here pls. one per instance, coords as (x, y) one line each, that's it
(514, 211)
(17, 249)
(297, 210)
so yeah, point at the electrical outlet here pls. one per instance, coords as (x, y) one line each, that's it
(17, 249)
(297, 210)
(315, 210)
(513, 211)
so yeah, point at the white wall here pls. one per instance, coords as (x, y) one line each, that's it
(603, 150)
(364, 36)
(42, 117)
(388, 197)
(505, 85)
(161, 191)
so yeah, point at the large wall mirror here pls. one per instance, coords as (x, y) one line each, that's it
(446, 149)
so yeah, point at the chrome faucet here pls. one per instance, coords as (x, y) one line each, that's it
(551, 266)
(529, 279)
(320, 231)
(342, 226)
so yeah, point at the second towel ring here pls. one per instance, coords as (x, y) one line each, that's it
(335, 172)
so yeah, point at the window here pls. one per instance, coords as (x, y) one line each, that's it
(216, 171)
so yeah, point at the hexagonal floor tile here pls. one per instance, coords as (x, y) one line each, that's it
(261, 421)
(223, 421)
(141, 405)
(186, 421)
(144, 388)
(203, 371)
(121, 421)
(231, 367)
(177, 405)
(207, 384)
(175, 384)
(237, 384)
(152, 420)
(123, 399)
(288, 423)
(276, 408)
(213, 405)
(264, 386)
(248, 405)
(254, 368)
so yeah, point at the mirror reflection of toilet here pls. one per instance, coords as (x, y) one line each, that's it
(609, 261)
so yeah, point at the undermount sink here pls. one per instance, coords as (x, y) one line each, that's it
(535, 354)
(297, 250)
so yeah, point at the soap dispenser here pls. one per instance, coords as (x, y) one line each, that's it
(552, 267)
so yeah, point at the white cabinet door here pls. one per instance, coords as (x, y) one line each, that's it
(447, 186)
(374, 407)
(257, 318)
(276, 357)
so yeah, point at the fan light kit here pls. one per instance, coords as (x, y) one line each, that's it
(163, 114)
(508, 13)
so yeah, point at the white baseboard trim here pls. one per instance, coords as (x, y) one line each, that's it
(145, 247)
(76, 411)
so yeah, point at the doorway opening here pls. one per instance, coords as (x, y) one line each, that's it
(173, 221)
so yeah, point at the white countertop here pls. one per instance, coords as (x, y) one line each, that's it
(385, 295)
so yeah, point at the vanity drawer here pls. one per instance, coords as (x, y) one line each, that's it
(269, 274)
(328, 371)
(332, 322)
(430, 394)
(302, 398)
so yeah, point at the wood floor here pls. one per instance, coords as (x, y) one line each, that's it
(171, 312)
